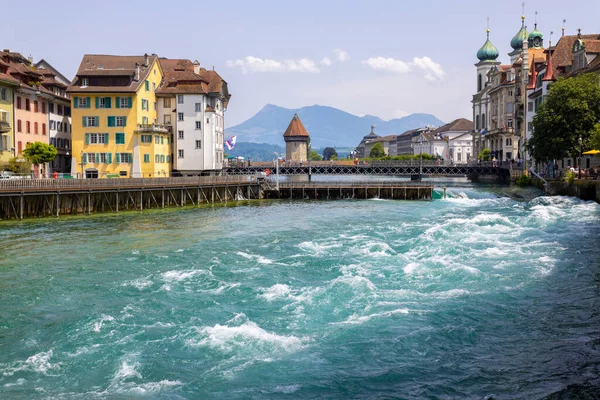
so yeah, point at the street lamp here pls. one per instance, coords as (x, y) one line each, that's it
(580, 154)
(277, 170)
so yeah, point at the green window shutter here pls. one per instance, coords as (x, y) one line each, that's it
(111, 121)
(118, 158)
(124, 121)
(97, 102)
(84, 121)
(89, 102)
(87, 138)
(130, 158)
(107, 102)
(75, 102)
(97, 158)
(109, 158)
(146, 157)
(147, 86)
(84, 158)
(117, 102)
(129, 102)
(97, 121)
(106, 138)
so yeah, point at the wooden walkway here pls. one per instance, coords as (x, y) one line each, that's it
(351, 190)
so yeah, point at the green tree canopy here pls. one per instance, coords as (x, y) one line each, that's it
(39, 153)
(314, 156)
(570, 111)
(484, 155)
(329, 152)
(377, 150)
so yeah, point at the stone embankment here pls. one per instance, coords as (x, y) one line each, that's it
(584, 189)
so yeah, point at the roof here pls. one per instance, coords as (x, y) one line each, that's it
(295, 128)
(562, 55)
(45, 64)
(111, 65)
(458, 125)
(179, 78)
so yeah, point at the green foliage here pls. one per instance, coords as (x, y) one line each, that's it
(334, 158)
(256, 151)
(570, 177)
(314, 156)
(329, 152)
(377, 150)
(523, 180)
(484, 155)
(39, 153)
(571, 110)
(595, 139)
(17, 165)
(403, 157)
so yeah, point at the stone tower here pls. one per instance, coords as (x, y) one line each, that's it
(296, 141)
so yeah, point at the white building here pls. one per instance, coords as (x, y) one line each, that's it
(193, 100)
(59, 115)
(453, 142)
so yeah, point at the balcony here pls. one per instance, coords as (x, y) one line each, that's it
(153, 128)
(4, 127)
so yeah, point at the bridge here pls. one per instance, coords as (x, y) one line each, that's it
(393, 169)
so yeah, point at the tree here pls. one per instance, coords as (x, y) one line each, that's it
(484, 155)
(39, 153)
(595, 139)
(570, 111)
(377, 151)
(329, 152)
(314, 156)
(17, 165)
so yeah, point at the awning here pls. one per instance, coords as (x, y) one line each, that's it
(592, 152)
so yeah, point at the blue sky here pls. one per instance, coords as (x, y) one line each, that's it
(381, 57)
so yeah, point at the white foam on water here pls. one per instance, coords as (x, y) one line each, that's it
(127, 370)
(318, 249)
(547, 259)
(247, 335)
(410, 268)
(178, 276)
(179, 250)
(19, 382)
(373, 249)
(140, 283)
(258, 258)
(98, 324)
(277, 291)
(357, 282)
(360, 319)
(39, 363)
(222, 287)
(153, 387)
(287, 389)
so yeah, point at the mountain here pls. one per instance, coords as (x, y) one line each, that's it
(327, 126)
(256, 151)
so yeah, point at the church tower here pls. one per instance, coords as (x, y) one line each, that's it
(296, 141)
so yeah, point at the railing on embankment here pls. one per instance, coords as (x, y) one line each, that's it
(23, 198)
(351, 190)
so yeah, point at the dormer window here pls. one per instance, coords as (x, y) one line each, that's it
(85, 82)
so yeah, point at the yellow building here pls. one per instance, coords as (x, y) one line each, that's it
(114, 118)
(7, 86)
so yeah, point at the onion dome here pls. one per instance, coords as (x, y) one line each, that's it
(517, 42)
(535, 38)
(487, 52)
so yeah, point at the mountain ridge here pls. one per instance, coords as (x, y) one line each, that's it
(327, 126)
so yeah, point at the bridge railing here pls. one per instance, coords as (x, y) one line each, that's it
(353, 184)
(85, 184)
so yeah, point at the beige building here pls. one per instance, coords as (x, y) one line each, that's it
(296, 141)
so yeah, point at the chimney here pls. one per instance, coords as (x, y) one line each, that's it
(196, 67)
(136, 76)
(146, 60)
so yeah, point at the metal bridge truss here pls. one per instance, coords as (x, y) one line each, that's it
(405, 170)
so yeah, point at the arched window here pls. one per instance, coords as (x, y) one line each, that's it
(479, 83)
(483, 122)
(35, 128)
(477, 122)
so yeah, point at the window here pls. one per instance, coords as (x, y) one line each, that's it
(146, 158)
(146, 138)
(67, 111)
(36, 106)
(147, 85)
(167, 120)
(154, 84)
(122, 173)
(168, 159)
(82, 102)
(119, 138)
(27, 105)
(154, 106)
(51, 107)
(529, 126)
(91, 158)
(207, 121)
(35, 128)
(509, 107)
(19, 125)
(509, 123)
(156, 158)
(180, 116)
(105, 158)
(91, 121)
(43, 128)
(28, 125)
(145, 104)
(43, 107)
(125, 158)
(179, 99)
(162, 158)
(19, 105)
(180, 135)
(180, 153)
(120, 121)
(198, 107)
(3, 94)
(144, 120)
(166, 102)
(66, 143)
(124, 102)
(156, 139)
(85, 81)
(198, 144)
(96, 138)
(530, 106)
(198, 124)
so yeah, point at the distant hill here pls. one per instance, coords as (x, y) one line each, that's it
(256, 151)
(327, 126)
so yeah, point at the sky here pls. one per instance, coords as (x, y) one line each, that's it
(387, 58)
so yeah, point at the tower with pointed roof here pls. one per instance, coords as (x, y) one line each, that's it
(296, 141)
(517, 41)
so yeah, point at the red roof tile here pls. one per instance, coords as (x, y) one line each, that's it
(295, 128)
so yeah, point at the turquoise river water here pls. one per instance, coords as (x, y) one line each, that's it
(478, 297)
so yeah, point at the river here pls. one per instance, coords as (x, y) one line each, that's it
(476, 296)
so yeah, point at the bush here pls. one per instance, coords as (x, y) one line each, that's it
(570, 177)
(523, 180)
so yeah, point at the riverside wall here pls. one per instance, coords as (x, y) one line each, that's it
(584, 189)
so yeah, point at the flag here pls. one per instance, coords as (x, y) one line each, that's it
(230, 143)
(483, 131)
(504, 126)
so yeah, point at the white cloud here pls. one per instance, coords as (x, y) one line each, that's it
(326, 61)
(252, 65)
(433, 71)
(341, 55)
(388, 64)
